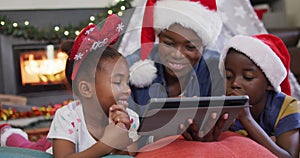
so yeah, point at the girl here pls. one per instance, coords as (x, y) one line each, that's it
(98, 122)
(257, 66)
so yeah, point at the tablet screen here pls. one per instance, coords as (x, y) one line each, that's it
(164, 115)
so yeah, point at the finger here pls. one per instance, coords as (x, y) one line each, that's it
(122, 117)
(210, 123)
(219, 126)
(121, 125)
(116, 107)
(184, 133)
(206, 134)
(193, 130)
(110, 116)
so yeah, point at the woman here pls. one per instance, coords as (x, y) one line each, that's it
(184, 67)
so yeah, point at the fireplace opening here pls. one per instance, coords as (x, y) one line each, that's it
(39, 67)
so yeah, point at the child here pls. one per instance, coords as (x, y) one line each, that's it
(98, 122)
(257, 66)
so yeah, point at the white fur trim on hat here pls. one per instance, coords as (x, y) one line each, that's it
(142, 73)
(206, 23)
(259, 53)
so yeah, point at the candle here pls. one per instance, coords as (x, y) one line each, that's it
(50, 52)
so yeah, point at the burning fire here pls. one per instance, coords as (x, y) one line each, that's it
(47, 68)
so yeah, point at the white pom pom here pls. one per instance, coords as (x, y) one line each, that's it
(142, 73)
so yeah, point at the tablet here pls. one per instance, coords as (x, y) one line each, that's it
(164, 115)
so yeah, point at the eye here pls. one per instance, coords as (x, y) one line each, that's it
(168, 43)
(191, 48)
(229, 75)
(248, 78)
(117, 81)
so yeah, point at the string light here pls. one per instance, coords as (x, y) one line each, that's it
(26, 23)
(66, 33)
(15, 24)
(120, 13)
(122, 7)
(109, 12)
(57, 33)
(77, 32)
(92, 18)
(56, 28)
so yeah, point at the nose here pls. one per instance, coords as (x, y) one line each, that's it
(126, 89)
(236, 83)
(179, 52)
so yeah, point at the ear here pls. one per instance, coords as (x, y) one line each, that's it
(85, 89)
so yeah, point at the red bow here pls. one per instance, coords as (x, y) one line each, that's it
(91, 38)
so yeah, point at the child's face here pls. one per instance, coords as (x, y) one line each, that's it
(243, 77)
(112, 83)
(180, 49)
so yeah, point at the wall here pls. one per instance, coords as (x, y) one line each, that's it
(39, 18)
(55, 4)
(1, 73)
(46, 18)
(293, 12)
(8, 82)
(283, 14)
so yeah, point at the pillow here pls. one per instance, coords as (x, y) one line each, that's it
(230, 145)
(14, 152)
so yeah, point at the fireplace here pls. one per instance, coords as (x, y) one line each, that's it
(39, 67)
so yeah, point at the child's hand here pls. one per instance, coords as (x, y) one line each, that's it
(119, 116)
(210, 133)
(244, 114)
(116, 136)
(116, 132)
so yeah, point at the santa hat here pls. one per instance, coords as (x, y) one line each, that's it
(198, 15)
(266, 51)
(93, 37)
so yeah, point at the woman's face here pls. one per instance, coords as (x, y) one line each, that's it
(243, 77)
(179, 50)
(111, 83)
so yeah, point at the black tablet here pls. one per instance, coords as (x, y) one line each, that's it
(164, 115)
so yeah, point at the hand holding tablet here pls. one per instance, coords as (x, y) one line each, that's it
(164, 115)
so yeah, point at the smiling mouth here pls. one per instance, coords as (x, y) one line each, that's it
(176, 66)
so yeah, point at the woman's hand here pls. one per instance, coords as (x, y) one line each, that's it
(210, 133)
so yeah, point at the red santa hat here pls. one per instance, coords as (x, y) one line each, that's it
(198, 15)
(268, 52)
(93, 37)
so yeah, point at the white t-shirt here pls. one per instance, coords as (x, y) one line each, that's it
(69, 124)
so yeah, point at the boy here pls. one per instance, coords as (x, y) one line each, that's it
(257, 66)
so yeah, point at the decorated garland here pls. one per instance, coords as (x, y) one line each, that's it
(47, 111)
(56, 33)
